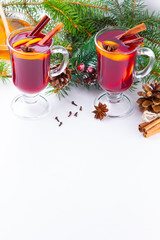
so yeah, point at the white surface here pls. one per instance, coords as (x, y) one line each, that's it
(152, 5)
(84, 180)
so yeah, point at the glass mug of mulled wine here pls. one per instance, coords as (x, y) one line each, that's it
(116, 69)
(31, 71)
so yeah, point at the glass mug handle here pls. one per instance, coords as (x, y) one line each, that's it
(147, 52)
(57, 71)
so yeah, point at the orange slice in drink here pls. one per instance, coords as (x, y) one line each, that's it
(20, 42)
(35, 40)
(115, 56)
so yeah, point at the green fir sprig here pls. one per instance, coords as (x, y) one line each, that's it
(83, 18)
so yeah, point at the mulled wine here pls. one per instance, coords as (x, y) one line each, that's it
(30, 51)
(116, 69)
(117, 49)
(30, 69)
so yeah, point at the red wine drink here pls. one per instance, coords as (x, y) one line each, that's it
(30, 51)
(115, 69)
(30, 69)
(116, 60)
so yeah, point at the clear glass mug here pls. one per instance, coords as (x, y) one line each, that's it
(116, 72)
(31, 73)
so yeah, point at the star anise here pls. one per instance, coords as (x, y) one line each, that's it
(109, 47)
(100, 111)
(27, 48)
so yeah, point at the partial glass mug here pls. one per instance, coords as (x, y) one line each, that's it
(15, 20)
(31, 73)
(116, 72)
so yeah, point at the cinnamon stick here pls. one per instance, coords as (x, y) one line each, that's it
(132, 31)
(136, 41)
(151, 125)
(150, 128)
(51, 34)
(152, 131)
(40, 26)
(142, 125)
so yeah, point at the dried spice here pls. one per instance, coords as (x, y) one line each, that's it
(76, 114)
(61, 80)
(27, 48)
(57, 119)
(74, 103)
(109, 47)
(80, 109)
(150, 128)
(70, 113)
(149, 98)
(60, 124)
(100, 111)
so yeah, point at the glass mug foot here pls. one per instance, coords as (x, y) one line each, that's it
(30, 106)
(118, 104)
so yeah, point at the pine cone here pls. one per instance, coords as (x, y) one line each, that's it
(150, 98)
(100, 111)
(90, 79)
(61, 80)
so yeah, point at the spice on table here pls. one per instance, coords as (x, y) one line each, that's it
(70, 113)
(80, 109)
(150, 128)
(74, 103)
(57, 119)
(100, 111)
(60, 124)
(76, 114)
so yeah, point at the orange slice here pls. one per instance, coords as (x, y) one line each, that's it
(20, 42)
(35, 40)
(116, 56)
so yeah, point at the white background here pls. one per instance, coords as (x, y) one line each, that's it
(87, 179)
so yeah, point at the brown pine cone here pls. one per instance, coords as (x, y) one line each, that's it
(150, 98)
(61, 80)
(90, 80)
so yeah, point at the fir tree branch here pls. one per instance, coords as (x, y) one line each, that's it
(152, 40)
(117, 6)
(69, 19)
(59, 10)
(134, 4)
(21, 3)
(88, 5)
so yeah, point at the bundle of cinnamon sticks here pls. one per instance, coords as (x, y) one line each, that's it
(150, 128)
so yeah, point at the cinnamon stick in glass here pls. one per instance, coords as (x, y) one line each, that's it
(40, 25)
(136, 41)
(51, 34)
(139, 28)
